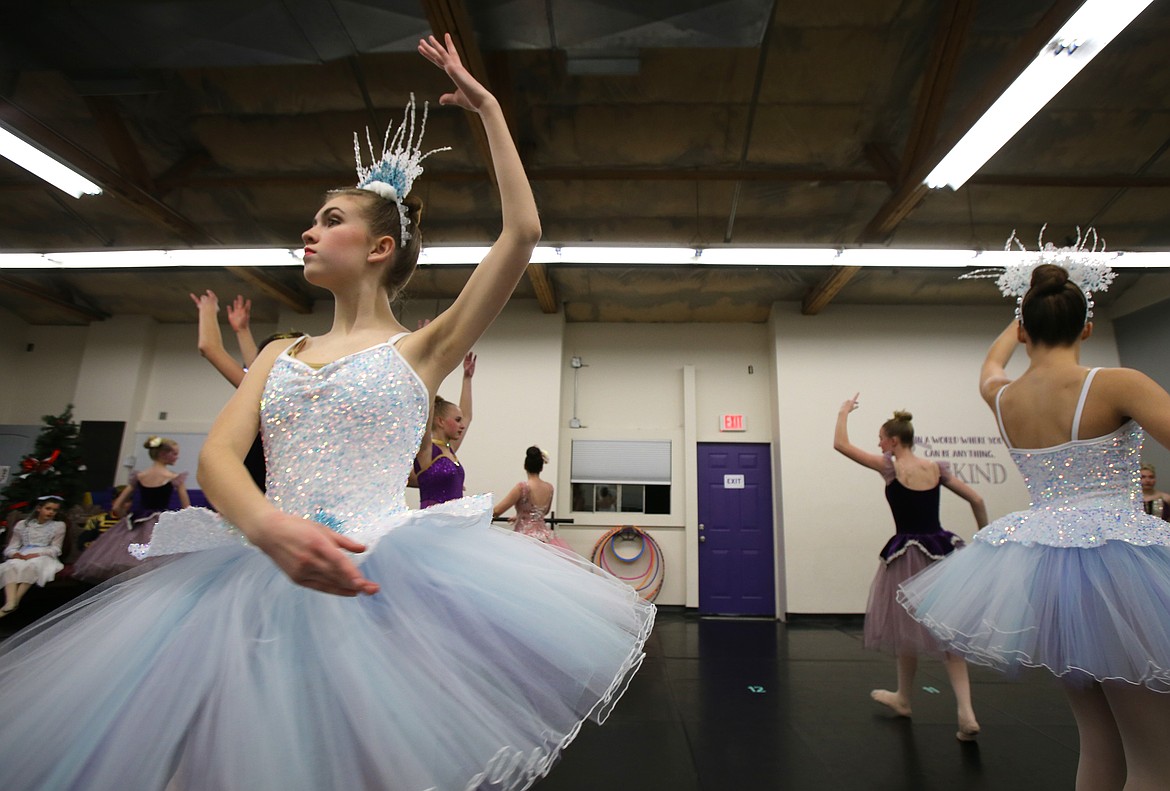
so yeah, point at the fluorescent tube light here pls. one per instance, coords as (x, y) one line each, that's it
(1085, 34)
(41, 164)
(878, 257)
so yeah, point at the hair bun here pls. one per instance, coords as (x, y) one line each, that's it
(1048, 278)
(902, 414)
(534, 452)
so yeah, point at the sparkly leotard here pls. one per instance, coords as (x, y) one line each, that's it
(1078, 583)
(441, 481)
(473, 666)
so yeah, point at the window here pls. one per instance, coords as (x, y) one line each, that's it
(621, 476)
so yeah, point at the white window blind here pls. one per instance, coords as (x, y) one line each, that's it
(621, 461)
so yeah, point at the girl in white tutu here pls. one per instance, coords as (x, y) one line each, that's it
(325, 636)
(33, 554)
(1080, 582)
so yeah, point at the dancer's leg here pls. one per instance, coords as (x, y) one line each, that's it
(961, 685)
(1143, 720)
(1102, 762)
(13, 593)
(9, 598)
(899, 700)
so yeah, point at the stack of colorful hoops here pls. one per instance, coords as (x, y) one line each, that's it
(634, 557)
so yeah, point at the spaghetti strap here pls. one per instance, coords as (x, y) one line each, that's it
(1076, 424)
(999, 416)
(394, 339)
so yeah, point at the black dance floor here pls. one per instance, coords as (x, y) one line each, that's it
(738, 705)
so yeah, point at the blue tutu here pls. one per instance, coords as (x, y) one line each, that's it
(472, 668)
(1079, 583)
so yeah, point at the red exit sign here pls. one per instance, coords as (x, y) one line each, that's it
(733, 423)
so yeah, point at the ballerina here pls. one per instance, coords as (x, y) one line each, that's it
(912, 490)
(324, 635)
(1079, 583)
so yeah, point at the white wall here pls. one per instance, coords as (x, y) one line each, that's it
(925, 360)
(633, 385)
(652, 381)
(41, 380)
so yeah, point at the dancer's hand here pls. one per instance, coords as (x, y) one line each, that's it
(468, 94)
(469, 365)
(312, 555)
(850, 405)
(239, 313)
(208, 302)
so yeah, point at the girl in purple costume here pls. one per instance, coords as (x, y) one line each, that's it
(912, 490)
(139, 505)
(437, 471)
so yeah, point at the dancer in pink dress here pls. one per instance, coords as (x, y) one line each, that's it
(532, 499)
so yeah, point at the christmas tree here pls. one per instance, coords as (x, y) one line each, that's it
(54, 467)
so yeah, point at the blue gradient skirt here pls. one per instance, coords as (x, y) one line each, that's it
(1086, 614)
(473, 667)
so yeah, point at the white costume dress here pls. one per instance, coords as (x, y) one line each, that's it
(472, 668)
(1079, 583)
(30, 537)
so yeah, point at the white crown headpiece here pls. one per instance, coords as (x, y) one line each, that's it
(1081, 260)
(393, 174)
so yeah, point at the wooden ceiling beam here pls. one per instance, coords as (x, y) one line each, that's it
(954, 21)
(912, 190)
(950, 36)
(884, 171)
(283, 294)
(450, 16)
(118, 140)
(56, 300)
(546, 292)
(110, 180)
(128, 190)
(825, 291)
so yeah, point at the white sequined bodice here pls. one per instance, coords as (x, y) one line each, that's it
(339, 440)
(1084, 493)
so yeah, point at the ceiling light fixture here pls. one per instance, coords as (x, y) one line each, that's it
(44, 166)
(1077, 42)
(876, 257)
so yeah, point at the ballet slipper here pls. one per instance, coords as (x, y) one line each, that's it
(892, 701)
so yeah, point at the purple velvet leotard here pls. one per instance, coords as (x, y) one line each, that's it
(441, 481)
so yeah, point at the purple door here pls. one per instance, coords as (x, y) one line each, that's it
(736, 562)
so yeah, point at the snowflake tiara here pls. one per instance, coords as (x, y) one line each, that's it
(393, 173)
(1081, 260)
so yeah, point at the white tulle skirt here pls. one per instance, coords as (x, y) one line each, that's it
(1084, 613)
(473, 667)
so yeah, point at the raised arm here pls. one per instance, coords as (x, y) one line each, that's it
(465, 398)
(211, 340)
(978, 507)
(437, 349)
(309, 553)
(239, 314)
(993, 376)
(842, 445)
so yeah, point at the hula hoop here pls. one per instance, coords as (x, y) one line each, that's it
(643, 583)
